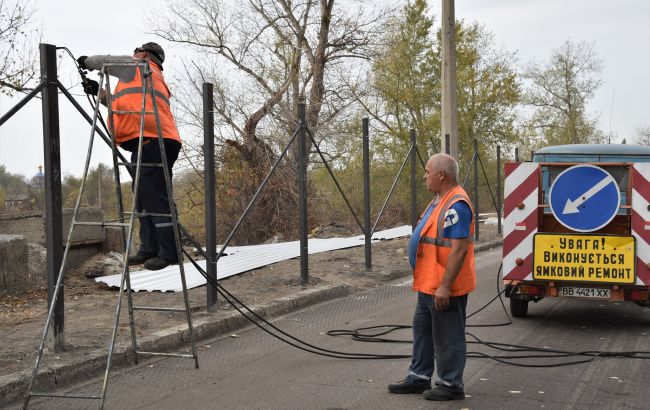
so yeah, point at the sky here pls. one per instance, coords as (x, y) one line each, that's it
(619, 30)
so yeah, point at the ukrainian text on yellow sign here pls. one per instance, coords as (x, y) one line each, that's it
(584, 258)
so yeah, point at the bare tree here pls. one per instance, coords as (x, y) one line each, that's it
(17, 51)
(263, 57)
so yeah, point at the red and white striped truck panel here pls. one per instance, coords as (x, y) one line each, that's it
(521, 216)
(641, 220)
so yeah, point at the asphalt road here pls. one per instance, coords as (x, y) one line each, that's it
(252, 370)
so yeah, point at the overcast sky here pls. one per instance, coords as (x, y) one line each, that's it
(620, 31)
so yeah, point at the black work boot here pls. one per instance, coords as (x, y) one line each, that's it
(141, 257)
(406, 387)
(158, 263)
(439, 393)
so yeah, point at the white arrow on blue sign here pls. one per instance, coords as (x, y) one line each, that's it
(584, 198)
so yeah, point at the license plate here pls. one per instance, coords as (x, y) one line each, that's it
(577, 292)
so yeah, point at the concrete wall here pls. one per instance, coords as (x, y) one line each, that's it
(32, 226)
(14, 273)
(28, 224)
(23, 260)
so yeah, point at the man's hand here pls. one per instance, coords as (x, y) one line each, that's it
(91, 87)
(441, 298)
(82, 62)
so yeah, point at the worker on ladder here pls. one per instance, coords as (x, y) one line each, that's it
(157, 243)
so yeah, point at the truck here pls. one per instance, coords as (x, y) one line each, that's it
(577, 224)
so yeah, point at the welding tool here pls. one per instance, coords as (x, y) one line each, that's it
(90, 87)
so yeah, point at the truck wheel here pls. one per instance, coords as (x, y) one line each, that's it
(518, 307)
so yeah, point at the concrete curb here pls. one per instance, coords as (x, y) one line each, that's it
(13, 387)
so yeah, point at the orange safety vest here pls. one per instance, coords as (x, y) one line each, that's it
(128, 97)
(434, 250)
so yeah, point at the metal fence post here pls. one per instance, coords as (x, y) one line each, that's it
(499, 228)
(366, 193)
(210, 194)
(476, 199)
(53, 198)
(302, 192)
(516, 154)
(414, 211)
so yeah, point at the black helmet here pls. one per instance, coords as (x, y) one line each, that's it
(154, 49)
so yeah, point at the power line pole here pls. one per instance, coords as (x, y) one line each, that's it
(449, 101)
(53, 198)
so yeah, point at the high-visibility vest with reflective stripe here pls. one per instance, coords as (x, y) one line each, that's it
(434, 249)
(128, 97)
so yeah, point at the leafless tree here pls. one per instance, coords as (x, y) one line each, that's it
(263, 57)
(17, 51)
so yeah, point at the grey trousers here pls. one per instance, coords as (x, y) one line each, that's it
(439, 342)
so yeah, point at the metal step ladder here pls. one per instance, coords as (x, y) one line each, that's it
(125, 223)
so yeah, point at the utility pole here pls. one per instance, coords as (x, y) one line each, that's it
(449, 101)
(53, 199)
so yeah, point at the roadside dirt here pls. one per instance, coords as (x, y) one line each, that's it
(90, 307)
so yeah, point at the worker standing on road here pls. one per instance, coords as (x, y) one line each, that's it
(157, 242)
(441, 253)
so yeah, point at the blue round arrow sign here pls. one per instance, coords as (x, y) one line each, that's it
(584, 198)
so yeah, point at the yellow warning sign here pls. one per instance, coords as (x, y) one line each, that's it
(584, 258)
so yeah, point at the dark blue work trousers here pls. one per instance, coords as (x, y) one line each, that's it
(156, 232)
(439, 342)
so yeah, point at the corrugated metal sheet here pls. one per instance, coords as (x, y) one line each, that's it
(241, 259)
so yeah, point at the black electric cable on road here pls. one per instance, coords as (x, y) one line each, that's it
(362, 335)
(359, 335)
(286, 337)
